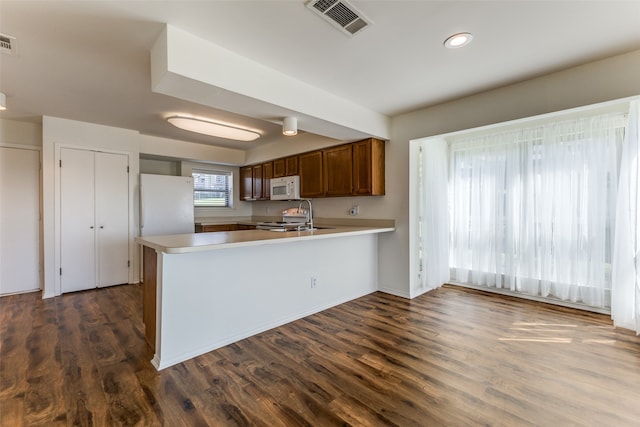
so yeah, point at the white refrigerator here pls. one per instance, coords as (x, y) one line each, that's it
(166, 205)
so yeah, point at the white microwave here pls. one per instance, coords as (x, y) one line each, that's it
(285, 188)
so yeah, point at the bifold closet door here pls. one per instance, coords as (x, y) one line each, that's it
(112, 218)
(19, 220)
(94, 219)
(77, 220)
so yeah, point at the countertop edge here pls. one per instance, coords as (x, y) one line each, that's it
(155, 242)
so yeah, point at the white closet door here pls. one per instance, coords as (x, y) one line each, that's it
(19, 220)
(112, 218)
(77, 226)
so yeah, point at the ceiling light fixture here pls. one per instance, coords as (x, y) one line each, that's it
(290, 126)
(458, 40)
(211, 128)
(3, 101)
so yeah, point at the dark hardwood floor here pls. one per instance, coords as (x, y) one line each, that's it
(452, 357)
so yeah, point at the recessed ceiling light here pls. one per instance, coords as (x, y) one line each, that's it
(458, 40)
(211, 128)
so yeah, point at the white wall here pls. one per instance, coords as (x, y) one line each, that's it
(15, 132)
(600, 81)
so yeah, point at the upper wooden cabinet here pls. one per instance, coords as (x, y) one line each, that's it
(368, 167)
(254, 181)
(338, 170)
(246, 183)
(292, 165)
(286, 166)
(257, 182)
(279, 168)
(267, 174)
(354, 169)
(310, 170)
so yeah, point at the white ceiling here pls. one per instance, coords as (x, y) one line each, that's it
(90, 60)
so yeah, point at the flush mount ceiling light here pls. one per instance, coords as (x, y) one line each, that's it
(458, 40)
(3, 101)
(208, 127)
(290, 126)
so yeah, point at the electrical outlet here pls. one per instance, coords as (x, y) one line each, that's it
(314, 283)
(355, 210)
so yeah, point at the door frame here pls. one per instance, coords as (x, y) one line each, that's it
(57, 147)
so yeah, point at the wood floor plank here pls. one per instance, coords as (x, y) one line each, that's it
(452, 357)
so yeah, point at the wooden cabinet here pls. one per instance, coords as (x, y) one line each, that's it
(254, 181)
(257, 182)
(311, 172)
(279, 168)
(338, 170)
(218, 227)
(208, 228)
(368, 167)
(245, 227)
(292, 166)
(286, 166)
(267, 174)
(149, 294)
(354, 169)
(246, 183)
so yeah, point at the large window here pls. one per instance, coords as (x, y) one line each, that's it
(533, 209)
(212, 188)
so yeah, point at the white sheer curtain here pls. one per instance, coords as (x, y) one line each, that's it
(625, 301)
(434, 216)
(533, 209)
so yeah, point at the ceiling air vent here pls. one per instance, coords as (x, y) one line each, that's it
(7, 44)
(341, 14)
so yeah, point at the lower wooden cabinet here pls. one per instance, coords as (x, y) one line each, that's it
(223, 227)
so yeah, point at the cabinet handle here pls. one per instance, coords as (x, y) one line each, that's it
(102, 226)
(91, 227)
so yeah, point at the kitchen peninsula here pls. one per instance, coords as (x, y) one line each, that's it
(206, 290)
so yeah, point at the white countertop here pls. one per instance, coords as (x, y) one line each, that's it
(195, 242)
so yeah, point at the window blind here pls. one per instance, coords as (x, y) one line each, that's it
(212, 188)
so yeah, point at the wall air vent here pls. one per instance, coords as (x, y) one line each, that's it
(341, 14)
(7, 44)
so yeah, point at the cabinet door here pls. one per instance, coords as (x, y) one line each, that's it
(267, 174)
(77, 216)
(19, 220)
(246, 183)
(279, 168)
(338, 173)
(368, 167)
(257, 182)
(310, 170)
(112, 218)
(292, 166)
(219, 227)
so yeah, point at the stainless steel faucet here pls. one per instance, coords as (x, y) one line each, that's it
(310, 217)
